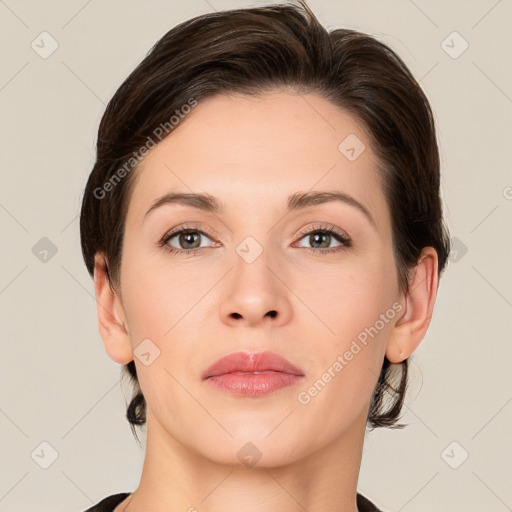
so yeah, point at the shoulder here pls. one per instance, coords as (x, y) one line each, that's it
(365, 505)
(109, 503)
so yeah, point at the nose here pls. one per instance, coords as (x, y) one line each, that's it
(255, 294)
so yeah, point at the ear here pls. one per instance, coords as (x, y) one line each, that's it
(419, 299)
(111, 318)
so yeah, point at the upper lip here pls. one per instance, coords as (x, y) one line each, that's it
(251, 362)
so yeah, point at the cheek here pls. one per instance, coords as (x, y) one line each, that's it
(163, 305)
(355, 306)
(349, 298)
(343, 380)
(160, 308)
(158, 299)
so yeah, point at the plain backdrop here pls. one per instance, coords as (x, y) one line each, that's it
(65, 443)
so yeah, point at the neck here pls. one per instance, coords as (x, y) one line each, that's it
(174, 477)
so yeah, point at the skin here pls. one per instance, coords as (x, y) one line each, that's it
(252, 153)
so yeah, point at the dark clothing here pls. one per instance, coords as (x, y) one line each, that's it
(108, 504)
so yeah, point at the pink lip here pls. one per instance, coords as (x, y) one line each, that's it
(236, 373)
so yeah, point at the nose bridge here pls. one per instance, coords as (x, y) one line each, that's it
(254, 291)
(252, 266)
(253, 239)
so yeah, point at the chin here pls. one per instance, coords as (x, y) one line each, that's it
(251, 449)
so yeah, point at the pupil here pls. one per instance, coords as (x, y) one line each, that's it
(316, 237)
(188, 238)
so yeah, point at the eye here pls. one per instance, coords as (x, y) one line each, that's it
(321, 237)
(188, 239)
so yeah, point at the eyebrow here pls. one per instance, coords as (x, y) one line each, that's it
(297, 201)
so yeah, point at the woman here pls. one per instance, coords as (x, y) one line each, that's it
(264, 228)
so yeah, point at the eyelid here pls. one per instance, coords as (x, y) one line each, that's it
(183, 227)
(325, 227)
(305, 231)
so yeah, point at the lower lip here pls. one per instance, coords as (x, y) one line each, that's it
(253, 384)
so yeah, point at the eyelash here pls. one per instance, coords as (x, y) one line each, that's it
(345, 240)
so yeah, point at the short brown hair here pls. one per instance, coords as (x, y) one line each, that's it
(253, 51)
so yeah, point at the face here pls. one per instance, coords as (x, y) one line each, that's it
(314, 283)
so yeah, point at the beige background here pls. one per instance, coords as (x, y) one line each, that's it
(57, 384)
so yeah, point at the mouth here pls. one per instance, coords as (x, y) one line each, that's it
(251, 363)
(252, 374)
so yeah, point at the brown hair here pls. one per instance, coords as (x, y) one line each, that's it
(253, 51)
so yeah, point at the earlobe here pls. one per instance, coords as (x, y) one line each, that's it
(411, 327)
(111, 319)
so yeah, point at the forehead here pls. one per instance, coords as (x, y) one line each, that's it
(254, 151)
